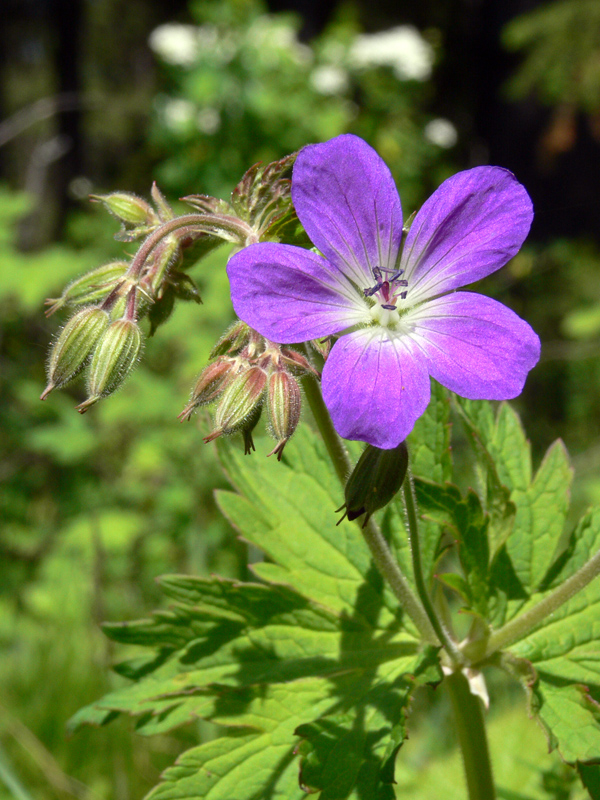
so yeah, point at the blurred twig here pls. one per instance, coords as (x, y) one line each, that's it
(42, 109)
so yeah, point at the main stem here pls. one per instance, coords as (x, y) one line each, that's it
(470, 727)
(380, 551)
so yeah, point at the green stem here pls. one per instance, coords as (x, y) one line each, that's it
(442, 633)
(472, 738)
(520, 626)
(380, 551)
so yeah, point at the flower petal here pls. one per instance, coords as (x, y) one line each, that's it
(470, 227)
(374, 387)
(346, 198)
(475, 346)
(291, 295)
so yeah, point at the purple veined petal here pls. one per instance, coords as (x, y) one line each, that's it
(345, 197)
(475, 346)
(291, 295)
(374, 386)
(470, 227)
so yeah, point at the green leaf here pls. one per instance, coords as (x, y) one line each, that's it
(541, 510)
(359, 746)
(265, 660)
(564, 652)
(468, 523)
(288, 513)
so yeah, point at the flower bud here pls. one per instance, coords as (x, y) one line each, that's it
(113, 359)
(165, 212)
(92, 287)
(295, 359)
(235, 338)
(239, 401)
(376, 478)
(284, 402)
(129, 208)
(73, 346)
(211, 384)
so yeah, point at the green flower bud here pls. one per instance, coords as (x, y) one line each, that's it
(73, 346)
(92, 287)
(113, 359)
(129, 208)
(239, 401)
(376, 478)
(234, 339)
(284, 402)
(211, 384)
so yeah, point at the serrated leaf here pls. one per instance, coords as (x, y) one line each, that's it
(541, 511)
(288, 513)
(429, 443)
(502, 456)
(364, 738)
(564, 651)
(467, 522)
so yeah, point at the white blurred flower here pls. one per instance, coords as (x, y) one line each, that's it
(208, 120)
(441, 132)
(175, 43)
(402, 48)
(177, 113)
(328, 79)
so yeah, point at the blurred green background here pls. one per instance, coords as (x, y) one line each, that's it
(99, 95)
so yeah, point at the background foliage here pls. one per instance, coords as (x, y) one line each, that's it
(95, 508)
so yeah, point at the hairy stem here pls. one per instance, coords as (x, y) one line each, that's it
(520, 626)
(188, 224)
(443, 635)
(380, 551)
(472, 738)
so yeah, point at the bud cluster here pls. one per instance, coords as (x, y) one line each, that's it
(246, 374)
(103, 335)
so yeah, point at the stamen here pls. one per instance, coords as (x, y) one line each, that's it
(384, 286)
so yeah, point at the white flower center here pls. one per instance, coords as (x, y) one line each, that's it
(385, 317)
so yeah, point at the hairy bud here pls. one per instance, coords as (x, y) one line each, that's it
(129, 208)
(234, 339)
(284, 402)
(92, 287)
(239, 401)
(376, 478)
(211, 384)
(113, 360)
(73, 346)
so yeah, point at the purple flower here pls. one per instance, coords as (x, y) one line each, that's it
(392, 298)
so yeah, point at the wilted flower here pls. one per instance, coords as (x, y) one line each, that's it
(392, 294)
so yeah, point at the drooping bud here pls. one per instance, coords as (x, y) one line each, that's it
(112, 361)
(211, 384)
(73, 346)
(129, 208)
(376, 478)
(284, 402)
(239, 401)
(90, 288)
